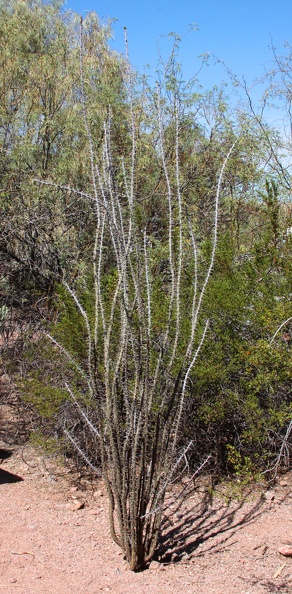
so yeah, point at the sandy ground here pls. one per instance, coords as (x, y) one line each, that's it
(207, 545)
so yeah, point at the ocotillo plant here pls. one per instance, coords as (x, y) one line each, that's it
(144, 330)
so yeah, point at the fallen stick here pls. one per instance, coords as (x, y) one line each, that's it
(277, 573)
(23, 553)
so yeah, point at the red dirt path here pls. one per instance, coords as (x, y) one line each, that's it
(48, 546)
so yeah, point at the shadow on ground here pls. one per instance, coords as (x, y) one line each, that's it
(187, 527)
(8, 477)
(5, 476)
(4, 454)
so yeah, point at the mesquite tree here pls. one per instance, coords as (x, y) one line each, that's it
(43, 231)
(143, 326)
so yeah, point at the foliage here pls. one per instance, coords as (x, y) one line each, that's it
(242, 398)
(159, 331)
(51, 446)
(43, 231)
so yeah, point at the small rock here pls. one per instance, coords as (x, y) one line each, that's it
(283, 483)
(269, 496)
(76, 505)
(74, 489)
(97, 494)
(154, 565)
(185, 480)
(5, 379)
(285, 550)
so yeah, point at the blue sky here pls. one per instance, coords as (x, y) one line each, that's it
(238, 32)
